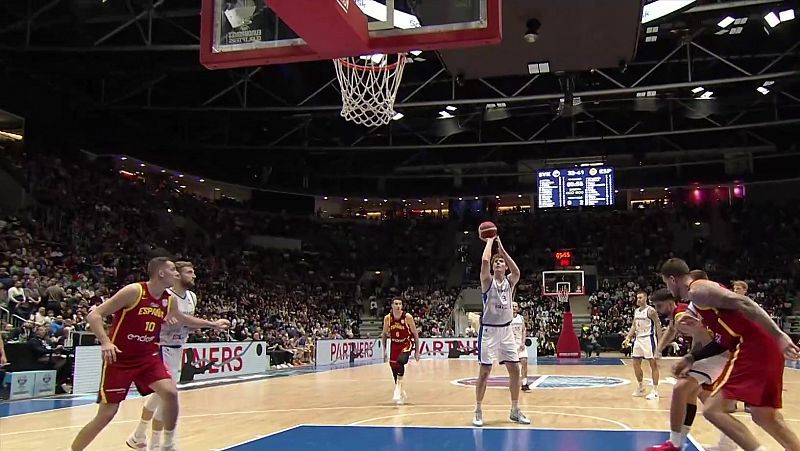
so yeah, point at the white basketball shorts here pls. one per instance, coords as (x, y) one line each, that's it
(644, 347)
(707, 371)
(497, 343)
(173, 360)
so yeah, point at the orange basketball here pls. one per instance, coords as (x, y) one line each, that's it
(487, 230)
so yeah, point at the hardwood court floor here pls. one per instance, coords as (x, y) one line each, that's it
(218, 417)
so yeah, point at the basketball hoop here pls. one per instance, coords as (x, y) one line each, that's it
(369, 87)
(563, 295)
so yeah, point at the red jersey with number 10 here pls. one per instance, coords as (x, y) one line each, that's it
(135, 330)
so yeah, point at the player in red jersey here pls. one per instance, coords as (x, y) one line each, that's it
(131, 354)
(399, 327)
(754, 373)
(685, 321)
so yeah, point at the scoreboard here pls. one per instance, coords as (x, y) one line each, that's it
(575, 187)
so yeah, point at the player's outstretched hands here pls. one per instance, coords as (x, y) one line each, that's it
(109, 352)
(222, 324)
(790, 350)
(682, 366)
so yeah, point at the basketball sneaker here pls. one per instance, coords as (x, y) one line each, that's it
(397, 394)
(135, 442)
(526, 387)
(477, 420)
(518, 417)
(639, 392)
(403, 397)
(653, 395)
(666, 446)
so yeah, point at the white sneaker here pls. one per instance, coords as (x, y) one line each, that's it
(135, 442)
(477, 420)
(403, 397)
(653, 395)
(639, 392)
(396, 396)
(518, 417)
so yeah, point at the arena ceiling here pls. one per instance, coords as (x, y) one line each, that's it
(123, 76)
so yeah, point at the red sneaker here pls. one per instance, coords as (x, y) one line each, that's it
(666, 446)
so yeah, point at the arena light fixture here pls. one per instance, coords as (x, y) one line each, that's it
(762, 90)
(476, 197)
(651, 38)
(786, 15)
(445, 115)
(460, 198)
(123, 158)
(219, 189)
(772, 19)
(10, 135)
(706, 95)
(660, 8)
(725, 22)
(163, 171)
(450, 108)
(416, 52)
(202, 180)
(519, 195)
(698, 90)
(366, 200)
(180, 176)
(397, 116)
(345, 199)
(142, 165)
(539, 68)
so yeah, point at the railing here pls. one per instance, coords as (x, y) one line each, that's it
(14, 319)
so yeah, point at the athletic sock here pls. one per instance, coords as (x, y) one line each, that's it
(524, 381)
(676, 438)
(155, 439)
(169, 437)
(141, 429)
(477, 407)
(514, 405)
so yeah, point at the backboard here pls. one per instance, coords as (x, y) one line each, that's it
(552, 281)
(241, 33)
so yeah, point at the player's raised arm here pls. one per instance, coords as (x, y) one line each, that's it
(667, 338)
(412, 326)
(709, 294)
(512, 265)
(122, 299)
(486, 266)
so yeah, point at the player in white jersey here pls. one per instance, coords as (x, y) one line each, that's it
(172, 339)
(496, 338)
(646, 330)
(518, 327)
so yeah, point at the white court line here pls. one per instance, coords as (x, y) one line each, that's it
(540, 380)
(251, 412)
(259, 437)
(370, 420)
(695, 443)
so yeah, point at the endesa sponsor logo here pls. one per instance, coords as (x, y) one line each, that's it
(141, 338)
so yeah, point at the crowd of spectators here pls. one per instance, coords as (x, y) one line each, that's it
(92, 230)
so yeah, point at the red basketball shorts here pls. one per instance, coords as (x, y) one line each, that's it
(754, 374)
(117, 377)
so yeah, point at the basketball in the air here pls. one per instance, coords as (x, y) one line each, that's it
(487, 230)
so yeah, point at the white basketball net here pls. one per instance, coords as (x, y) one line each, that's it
(563, 296)
(369, 87)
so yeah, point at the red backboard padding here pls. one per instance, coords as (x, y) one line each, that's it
(330, 28)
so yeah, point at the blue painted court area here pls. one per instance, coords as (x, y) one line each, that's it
(388, 438)
(589, 361)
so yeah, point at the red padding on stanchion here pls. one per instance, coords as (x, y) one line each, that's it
(330, 28)
(568, 345)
